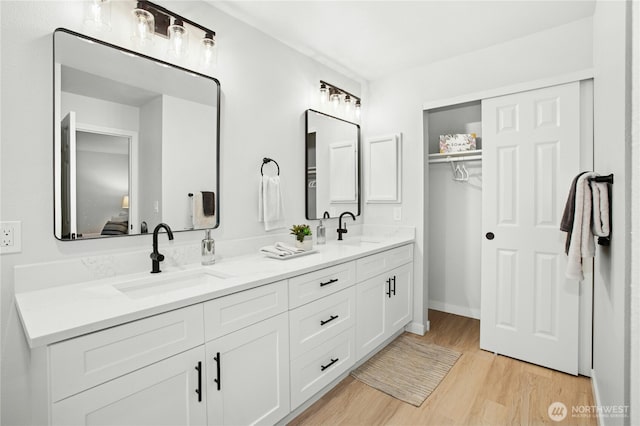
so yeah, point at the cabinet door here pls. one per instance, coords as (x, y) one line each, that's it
(370, 314)
(399, 304)
(163, 393)
(248, 374)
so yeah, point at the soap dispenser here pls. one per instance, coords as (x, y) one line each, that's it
(321, 232)
(208, 249)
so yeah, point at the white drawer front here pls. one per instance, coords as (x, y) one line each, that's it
(321, 320)
(89, 360)
(314, 285)
(376, 264)
(320, 366)
(230, 313)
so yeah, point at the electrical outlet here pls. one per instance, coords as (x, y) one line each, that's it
(397, 213)
(10, 237)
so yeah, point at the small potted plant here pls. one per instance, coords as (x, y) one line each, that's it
(303, 236)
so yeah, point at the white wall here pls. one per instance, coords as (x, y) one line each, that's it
(612, 155)
(266, 87)
(397, 105)
(98, 112)
(149, 157)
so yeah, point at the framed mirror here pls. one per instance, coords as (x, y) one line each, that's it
(332, 171)
(136, 142)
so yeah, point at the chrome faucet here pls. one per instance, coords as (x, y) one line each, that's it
(156, 257)
(340, 229)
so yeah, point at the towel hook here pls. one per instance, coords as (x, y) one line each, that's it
(266, 160)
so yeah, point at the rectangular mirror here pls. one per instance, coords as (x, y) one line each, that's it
(332, 170)
(136, 142)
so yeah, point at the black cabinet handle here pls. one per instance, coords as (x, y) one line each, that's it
(329, 320)
(333, 361)
(199, 390)
(217, 379)
(331, 281)
(490, 235)
(388, 293)
(394, 285)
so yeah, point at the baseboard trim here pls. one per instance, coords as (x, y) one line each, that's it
(416, 328)
(596, 397)
(450, 308)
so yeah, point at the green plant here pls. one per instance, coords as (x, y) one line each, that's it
(300, 231)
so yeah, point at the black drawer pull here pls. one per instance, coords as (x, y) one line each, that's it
(331, 281)
(199, 390)
(333, 361)
(217, 379)
(388, 293)
(394, 285)
(329, 320)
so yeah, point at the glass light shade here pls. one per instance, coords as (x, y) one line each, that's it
(97, 15)
(324, 94)
(335, 100)
(178, 40)
(125, 201)
(357, 109)
(143, 26)
(208, 52)
(347, 105)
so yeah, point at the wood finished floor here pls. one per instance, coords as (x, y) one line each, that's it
(480, 389)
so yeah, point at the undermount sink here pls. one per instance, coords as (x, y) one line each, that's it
(170, 281)
(358, 241)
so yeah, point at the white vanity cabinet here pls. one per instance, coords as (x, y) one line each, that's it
(384, 300)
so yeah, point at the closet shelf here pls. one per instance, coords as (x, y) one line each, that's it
(475, 154)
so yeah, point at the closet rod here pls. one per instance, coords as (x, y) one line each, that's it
(450, 159)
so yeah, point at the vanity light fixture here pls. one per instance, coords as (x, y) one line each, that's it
(97, 15)
(337, 96)
(151, 19)
(125, 202)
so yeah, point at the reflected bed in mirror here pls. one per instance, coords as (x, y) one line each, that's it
(332, 170)
(136, 142)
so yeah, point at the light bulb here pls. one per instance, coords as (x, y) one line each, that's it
(178, 39)
(324, 94)
(347, 105)
(209, 53)
(335, 100)
(97, 15)
(143, 26)
(358, 108)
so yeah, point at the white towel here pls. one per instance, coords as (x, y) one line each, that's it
(270, 205)
(281, 250)
(600, 193)
(200, 221)
(582, 244)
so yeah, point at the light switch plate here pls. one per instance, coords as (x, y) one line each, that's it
(397, 213)
(10, 237)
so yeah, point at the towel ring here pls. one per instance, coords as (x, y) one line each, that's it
(266, 160)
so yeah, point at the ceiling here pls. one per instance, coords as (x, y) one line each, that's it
(371, 39)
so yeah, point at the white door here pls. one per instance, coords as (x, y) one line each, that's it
(68, 176)
(248, 374)
(531, 152)
(399, 304)
(163, 393)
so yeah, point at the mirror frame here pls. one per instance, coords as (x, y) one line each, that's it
(56, 154)
(306, 162)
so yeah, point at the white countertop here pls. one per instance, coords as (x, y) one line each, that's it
(67, 311)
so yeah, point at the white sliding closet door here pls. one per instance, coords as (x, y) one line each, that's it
(531, 152)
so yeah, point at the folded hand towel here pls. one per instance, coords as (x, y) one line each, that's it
(200, 220)
(600, 193)
(566, 224)
(275, 251)
(288, 248)
(581, 243)
(270, 205)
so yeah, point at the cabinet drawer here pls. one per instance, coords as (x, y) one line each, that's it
(321, 320)
(320, 366)
(89, 360)
(314, 285)
(376, 264)
(230, 313)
